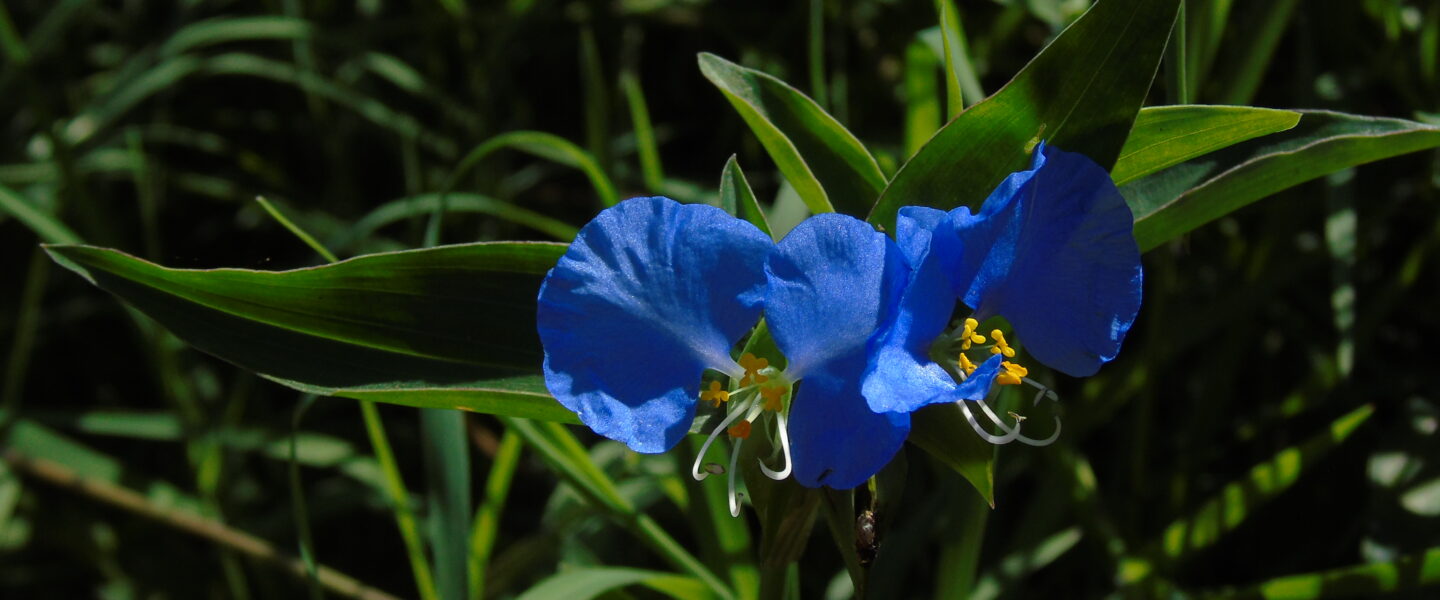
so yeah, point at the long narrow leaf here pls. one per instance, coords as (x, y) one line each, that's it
(1183, 197)
(830, 169)
(1081, 94)
(448, 327)
(1165, 136)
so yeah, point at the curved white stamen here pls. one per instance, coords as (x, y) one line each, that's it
(1044, 391)
(785, 450)
(724, 425)
(1045, 442)
(734, 499)
(1009, 436)
(1029, 441)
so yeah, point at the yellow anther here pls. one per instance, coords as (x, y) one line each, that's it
(966, 365)
(752, 366)
(714, 395)
(740, 430)
(1001, 346)
(1012, 374)
(968, 335)
(772, 396)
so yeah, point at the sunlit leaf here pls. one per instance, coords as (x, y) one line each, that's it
(1080, 94)
(830, 169)
(1174, 201)
(448, 327)
(1165, 136)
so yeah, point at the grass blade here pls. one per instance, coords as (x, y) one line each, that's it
(829, 167)
(1359, 581)
(544, 145)
(644, 134)
(568, 458)
(1174, 201)
(487, 517)
(1081, 93)
(922, 99)
(738, 199)
(1239, 499)
(1165, 136)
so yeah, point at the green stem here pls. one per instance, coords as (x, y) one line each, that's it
(1177, 89)
(817, 52)
(487, 517)
(395, 489)
(399, 500)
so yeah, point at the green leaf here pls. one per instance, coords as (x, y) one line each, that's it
(828, 167)
(922, 99)
(587, 583)
(447, 327)
(942, 430)
(421, 204)
(44, 226)
(1356, 581)
(1181, 198)
(1225, 511)
(738, 199)
(1165, 136)
(1081, 94)
(960, 79)
(544, 145)
(568, 458)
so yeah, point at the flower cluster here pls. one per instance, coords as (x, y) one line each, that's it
(654, 294)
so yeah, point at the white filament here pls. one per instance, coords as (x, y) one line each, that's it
(989, 437)
(784, 448)
(734, 497)
(724, 425)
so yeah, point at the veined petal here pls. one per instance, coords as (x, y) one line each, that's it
(835, 439)
(901, 377)
(1054, 252)
(649, 295)
(977, 385)
(832, 283)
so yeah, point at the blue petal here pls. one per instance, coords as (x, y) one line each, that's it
(649, 295)
(835, 439)
(833, 282)
(1053, 251)
(901, 377)
(979, 382)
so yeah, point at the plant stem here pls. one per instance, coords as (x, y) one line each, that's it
(123, 498)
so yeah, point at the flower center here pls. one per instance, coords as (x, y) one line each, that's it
(759, 401)
(1011, 373)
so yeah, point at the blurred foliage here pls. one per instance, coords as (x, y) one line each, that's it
(1267, 431)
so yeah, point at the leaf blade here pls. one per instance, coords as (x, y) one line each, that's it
(1117, 46)
(418, 328)
(1179, 199)
(825, 162)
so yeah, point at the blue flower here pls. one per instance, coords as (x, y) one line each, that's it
(1051, 251)
(653, 293)
(833, 283)
(649, 295)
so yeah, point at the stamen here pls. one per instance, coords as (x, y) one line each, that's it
(740, 430)
(715, 433)
(784, 450)
(714, 395)
(998, 440)
(772, 396)
(752, 366)
(1012, 375)
(1001, 346)
(734, 497)
(1029, 441)
(968, 335)
(965, 365)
